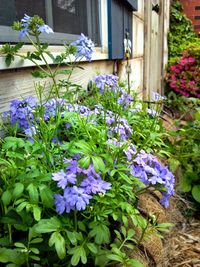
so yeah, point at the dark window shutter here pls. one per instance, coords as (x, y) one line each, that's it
(133, 4)
(119, 22)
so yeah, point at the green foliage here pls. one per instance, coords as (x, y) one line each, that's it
(185, 147)
(181, 34)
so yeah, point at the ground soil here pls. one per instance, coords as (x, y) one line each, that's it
(182, 244)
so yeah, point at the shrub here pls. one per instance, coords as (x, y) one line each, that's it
(181, 33)
(184, 76)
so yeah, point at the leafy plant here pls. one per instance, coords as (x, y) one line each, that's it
(71, 172)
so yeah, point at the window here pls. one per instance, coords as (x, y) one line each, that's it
(68, 18)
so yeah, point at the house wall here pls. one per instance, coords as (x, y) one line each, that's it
(192, 11)
(147, 64)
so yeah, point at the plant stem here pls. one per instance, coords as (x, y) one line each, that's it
(75, 220)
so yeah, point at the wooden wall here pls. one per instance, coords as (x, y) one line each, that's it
(18, 83)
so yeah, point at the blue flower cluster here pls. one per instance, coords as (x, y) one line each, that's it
(109, 83)
(79, 185)
(85, 47)
(21, 112)
(117, 125)
(106, 82)
(148, 169)
(151, 172)
(25, 23)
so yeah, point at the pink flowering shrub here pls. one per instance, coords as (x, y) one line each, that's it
(184, 76)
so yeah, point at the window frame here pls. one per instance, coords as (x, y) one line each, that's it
(58, 38)
(101, 52)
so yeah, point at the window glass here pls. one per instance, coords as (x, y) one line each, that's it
(12, 10)
(70, 16)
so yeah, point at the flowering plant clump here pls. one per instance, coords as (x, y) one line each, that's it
(31, 25)
(183, 77)
(108, 85)
(71, 173)
(85, 47)
(77, 197)
(152, 172)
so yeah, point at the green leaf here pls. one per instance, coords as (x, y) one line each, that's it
(33, 193)
(173, 164)
(123, 229)
(19, 245)
(47, 225)
(125, 178)
(81, 226)
(84, 147)
(92, 247)
(46, 196)
(65, 72)
(9, 58)
(135, 263)
(35, 258)
(11, 217)
(78, 254)
(72, 237)
(18, 190)
(131, 233)
(196, 192)
(36, 240)
(6, 197)
(39, 74)
(13, 143)
(35, 250)
(185, 185)
(118, 234)
(45, 46)
(100, 233)
(99, 165)
(37, 213)
(114, 257)
(21, 206)
(59, 242)
(84, 162)
(11, 255)
(18, 46)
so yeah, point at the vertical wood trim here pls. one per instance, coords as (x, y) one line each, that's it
(49, 12)
(147, 48)
(161, 45)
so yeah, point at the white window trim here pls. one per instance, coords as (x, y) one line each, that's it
(101, 53)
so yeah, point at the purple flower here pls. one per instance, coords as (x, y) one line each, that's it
(76, 198)
(110, 120)
(25, 20)
(124, 99)
(85, 47)
(157, 97)
(73, 166)
(64, 178)
(21, 112)
(44, 29)
(152, 112)
(52, 107)
(152, 172)
(23, 33)
(30, 132)
(93, 186)
(106, 82)
(90, 172)
(60, 203)
(130, 151)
